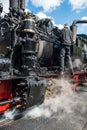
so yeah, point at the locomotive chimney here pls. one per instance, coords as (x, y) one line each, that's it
(22, 4)
(13, 4)
(17, 4)
(1, 9)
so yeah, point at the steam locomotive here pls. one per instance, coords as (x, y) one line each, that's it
(25, 41)
(28, 52)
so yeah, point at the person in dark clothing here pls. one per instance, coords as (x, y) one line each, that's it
(66, 42)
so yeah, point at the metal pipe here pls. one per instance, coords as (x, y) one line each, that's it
(74, 32)
(13, 4)
(22, 4)
(79, 21)
(74, 27)
(17, 4)
(5, 102)
(10, 101)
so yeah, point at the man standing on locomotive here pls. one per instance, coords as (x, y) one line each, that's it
(64, 56)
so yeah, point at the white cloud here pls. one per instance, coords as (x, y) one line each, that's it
(84, 18)
(82, 28)
(5, 5)
(78, 4)
(41, 15)
(60, 26)
(47, 5)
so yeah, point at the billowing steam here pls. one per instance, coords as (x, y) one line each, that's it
(61, 99)
(77, 63)
(59, 96)
(10, 114)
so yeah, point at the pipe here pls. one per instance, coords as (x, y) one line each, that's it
(74, 32)
(13, 4)
(79, 21)
(74, 28)
(10, 101)
(17, 4)
(22, 4)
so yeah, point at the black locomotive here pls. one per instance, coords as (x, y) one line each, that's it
(20, 85)
(27, 46)
(29, 49)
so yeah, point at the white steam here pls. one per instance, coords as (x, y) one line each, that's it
(77, 63)
(60, 99)
(10, 114)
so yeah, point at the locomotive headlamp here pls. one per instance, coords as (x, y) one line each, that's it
(1, 7)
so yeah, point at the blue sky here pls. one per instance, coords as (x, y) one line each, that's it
(61, 14)
(61, 11)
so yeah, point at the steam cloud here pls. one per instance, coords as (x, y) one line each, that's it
(77, 63)
(10, 114)
(59, 99)
(62, 99)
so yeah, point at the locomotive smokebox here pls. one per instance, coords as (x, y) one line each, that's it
(17, 4)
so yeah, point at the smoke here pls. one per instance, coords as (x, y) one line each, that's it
(10, 114)
(59, 99)
(77, 63)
